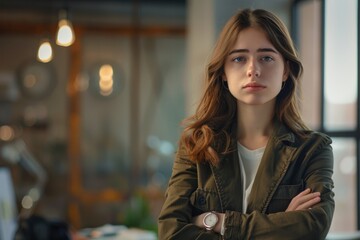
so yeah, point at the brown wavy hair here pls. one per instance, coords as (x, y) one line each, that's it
(215, 115)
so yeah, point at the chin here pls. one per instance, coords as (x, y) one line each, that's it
(256, 102)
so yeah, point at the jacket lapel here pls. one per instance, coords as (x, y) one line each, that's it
(272, 169)
(227, 176)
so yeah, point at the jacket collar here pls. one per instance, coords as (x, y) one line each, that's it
(283, 134)
(272, 168)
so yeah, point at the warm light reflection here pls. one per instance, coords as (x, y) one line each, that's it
(6, 133)
(106, 71)
(45, 53)
(65, 35)
(106, 80)
(27, 202)
(29, 80)
(106, 85)
(106, 93)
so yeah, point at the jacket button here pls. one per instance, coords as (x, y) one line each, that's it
(201, 200)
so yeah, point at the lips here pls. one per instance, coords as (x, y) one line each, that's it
(254, 86)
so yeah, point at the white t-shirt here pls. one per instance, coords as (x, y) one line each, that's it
(249, 164)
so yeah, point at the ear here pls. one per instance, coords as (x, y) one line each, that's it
(223, 77)
(286, 71)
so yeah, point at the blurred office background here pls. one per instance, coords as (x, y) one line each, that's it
(89, 132)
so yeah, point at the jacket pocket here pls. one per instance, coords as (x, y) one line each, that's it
(204, 201)
(283, 196)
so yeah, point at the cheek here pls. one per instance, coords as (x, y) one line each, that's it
(235, 73)
(235, 81)
(276, 74)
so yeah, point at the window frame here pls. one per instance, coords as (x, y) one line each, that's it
(347, 134)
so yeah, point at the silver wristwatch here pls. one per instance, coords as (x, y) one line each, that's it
(210, 220)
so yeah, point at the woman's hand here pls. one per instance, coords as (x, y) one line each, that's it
(198, 221)
(304, 200)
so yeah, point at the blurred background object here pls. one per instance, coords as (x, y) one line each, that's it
(86, 109)
(16, 152)
(8, 208)
(97, 111)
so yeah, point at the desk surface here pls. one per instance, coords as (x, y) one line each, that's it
(117, 232)
(344, 236)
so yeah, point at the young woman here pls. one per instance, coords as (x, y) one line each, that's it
(247, 167)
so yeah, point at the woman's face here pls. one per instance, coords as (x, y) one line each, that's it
(254, 69)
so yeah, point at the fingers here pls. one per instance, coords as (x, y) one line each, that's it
(304, 200)
(303, 193)
(305, 196)
(309, 203)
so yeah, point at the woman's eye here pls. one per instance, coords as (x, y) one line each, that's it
(239, 59)
(267, 59)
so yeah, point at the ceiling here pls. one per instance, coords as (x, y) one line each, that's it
(84, 3)
(108, 11)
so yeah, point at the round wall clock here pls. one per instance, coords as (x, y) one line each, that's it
(36, 79)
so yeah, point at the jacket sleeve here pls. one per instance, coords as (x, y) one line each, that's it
(176, 214)
(312, 223)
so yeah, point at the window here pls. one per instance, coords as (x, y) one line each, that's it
(326, 35)
(340, 105)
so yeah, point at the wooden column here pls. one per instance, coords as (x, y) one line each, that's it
(74, 149)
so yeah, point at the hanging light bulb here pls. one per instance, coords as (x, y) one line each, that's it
(45, 53)
(65, 35)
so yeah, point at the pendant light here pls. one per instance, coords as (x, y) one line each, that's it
(65, 34)
(45, 52)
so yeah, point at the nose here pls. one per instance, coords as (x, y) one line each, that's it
(253, 69)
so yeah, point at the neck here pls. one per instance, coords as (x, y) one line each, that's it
(254, 124)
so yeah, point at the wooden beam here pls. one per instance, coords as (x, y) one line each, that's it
(40, 28)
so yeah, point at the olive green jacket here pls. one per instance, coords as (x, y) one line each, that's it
(289, 165)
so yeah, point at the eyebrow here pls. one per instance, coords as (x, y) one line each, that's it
(259, 50)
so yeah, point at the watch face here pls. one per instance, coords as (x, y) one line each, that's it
(210, 220)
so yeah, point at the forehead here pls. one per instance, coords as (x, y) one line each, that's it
(252, 37)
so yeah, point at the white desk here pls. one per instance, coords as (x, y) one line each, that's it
(117, 232)
(343, 236)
